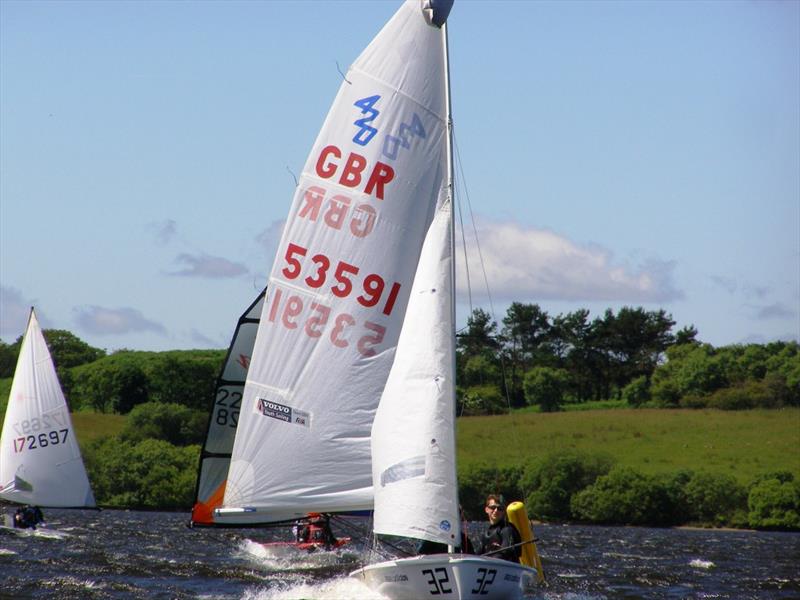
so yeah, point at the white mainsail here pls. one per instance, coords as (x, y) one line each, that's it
(339, 286)
(40, 461)
(215, 456)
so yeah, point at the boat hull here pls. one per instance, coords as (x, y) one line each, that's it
(460, 576)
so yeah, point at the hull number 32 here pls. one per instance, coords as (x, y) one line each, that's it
(439, 581)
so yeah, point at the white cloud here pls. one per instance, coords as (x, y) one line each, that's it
(537, 264)
(210, 267)
(114, 321)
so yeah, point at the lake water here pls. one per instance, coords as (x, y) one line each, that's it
(128, 554)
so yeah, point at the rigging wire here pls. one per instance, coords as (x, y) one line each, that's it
(515, 434)
(460, 169)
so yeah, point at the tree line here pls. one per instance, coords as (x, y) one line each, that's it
(532, 359)
(632, 355)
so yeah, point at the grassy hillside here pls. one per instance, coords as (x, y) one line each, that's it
(741, 443)
(90, 426)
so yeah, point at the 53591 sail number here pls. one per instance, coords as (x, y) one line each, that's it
(345, 276)
(287, 310)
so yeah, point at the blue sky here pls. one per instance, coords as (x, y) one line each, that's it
(614, 153)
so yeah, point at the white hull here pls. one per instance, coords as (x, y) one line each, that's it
(461, 576)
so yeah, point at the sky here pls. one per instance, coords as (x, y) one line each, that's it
(612, 154)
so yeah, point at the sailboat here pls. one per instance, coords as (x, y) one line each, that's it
(215, 455)
(349, 403)
(40, 460)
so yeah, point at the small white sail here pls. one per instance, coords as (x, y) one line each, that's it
(40, 461)
(339, 286)
(413, 436)
(215, 456)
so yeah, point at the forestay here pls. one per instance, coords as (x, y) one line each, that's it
(339, 286)
(40, 461)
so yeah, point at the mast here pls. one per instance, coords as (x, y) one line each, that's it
(452, 195)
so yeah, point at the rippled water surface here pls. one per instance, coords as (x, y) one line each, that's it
(121, 554)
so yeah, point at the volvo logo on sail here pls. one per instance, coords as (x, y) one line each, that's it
(268, 408)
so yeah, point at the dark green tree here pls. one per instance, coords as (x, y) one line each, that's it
(546, 387)
(632, 343)
(184, 378)
(478, 353)
(526, 335)
(131, 388)
(172, 423)
(8, 359)
(573, 345)
(68, 350)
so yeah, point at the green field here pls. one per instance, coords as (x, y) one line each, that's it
(90, 426)
(741, 443)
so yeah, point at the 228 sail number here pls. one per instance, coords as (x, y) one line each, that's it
(43, 440)
(228, 405)
(286, 312)
(439, 581)
(373, 285)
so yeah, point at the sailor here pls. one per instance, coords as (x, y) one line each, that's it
(501, 538)
(320, 530)
(316, 529)
(28, 517)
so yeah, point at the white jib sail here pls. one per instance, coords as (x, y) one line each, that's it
(40, 461)
(339, 286)
(413, 436)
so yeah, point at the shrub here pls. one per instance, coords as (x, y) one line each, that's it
(148, 474)
(714, 498)
(482, 400)
(637, 392)
(172, 423)
(546, 387)
(555, 479)
(774, 502)
(674, 485)
(624, 497)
